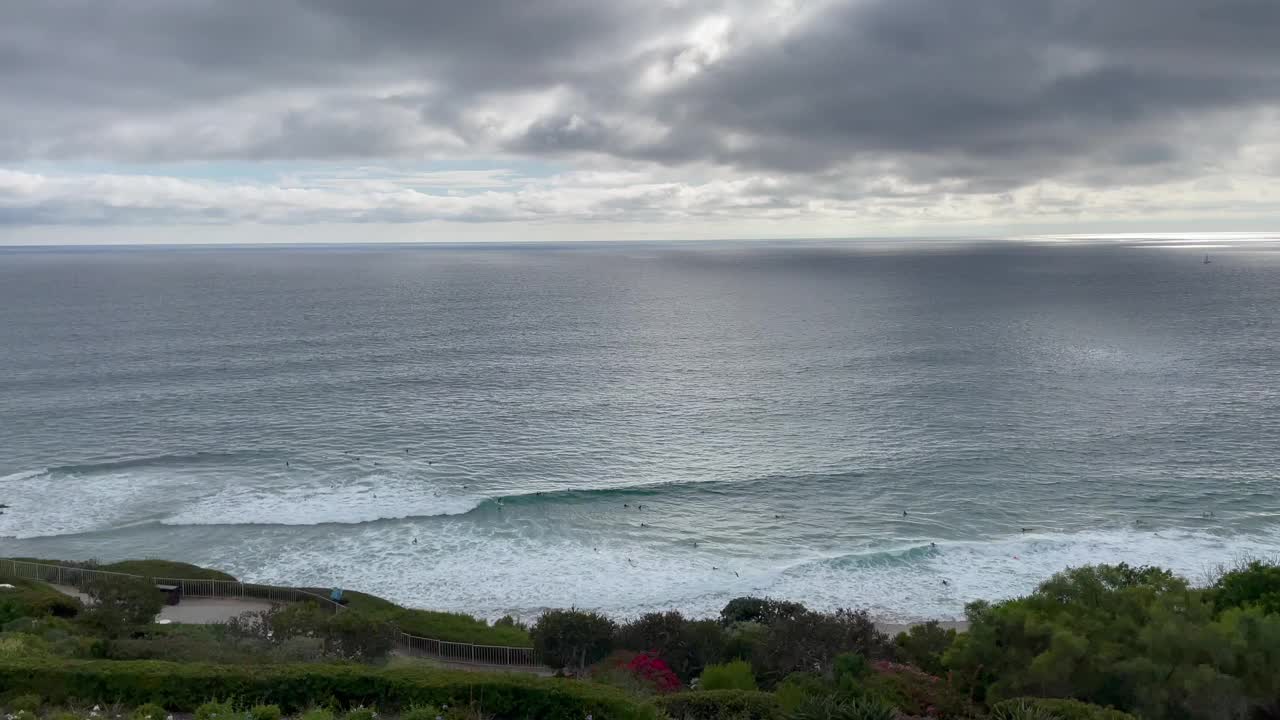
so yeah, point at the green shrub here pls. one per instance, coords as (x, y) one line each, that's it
(217, 711)
(27, 701)
(831, 707)
(150, 711)
(24, 715)
(317, 713)
(65, 715)
(32, 599)
(572, 638)
(793, 690)
(362, 713)
(1055, 708)
(720, 705)
(736, 675)
(265, 712)
(184, 686)
(912, 691)
(924, 645)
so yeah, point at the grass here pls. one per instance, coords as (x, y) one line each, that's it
(451, 627)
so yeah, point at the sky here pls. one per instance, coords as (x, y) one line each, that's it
(424, 120)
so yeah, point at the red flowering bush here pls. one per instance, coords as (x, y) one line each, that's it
(642, 673)
(649, 669)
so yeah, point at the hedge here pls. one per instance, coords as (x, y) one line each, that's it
(1068, 709)
(184, 686)
(721, 705)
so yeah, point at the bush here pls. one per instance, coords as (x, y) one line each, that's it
(362, 713)
(830, 707)
(27, 702)
(736, 675)
(572, 638)
(216, 711)
(720, 705)
(32, 599)
(265, 712)
(793, 690)
(184, 686)
(924, 645)
(913, 691)
(1059, 708)
(317, 714)
(150, 711)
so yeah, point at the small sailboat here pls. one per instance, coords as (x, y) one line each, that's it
(1207, 260)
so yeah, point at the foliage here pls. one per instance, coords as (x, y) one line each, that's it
(796, 687)
(1021, 709)
(29, 598)
(687, 646)
(912, 691)
(735, 675)
(453, 627)
(27, 701)
(348, 635)
(810, 642)
(720, 705)
(924, 645)
(215, 711)
(1058, 708)
(652, 673)
(759, 610)
(317, 713)
(184, 686)
(1253, 584)
(150, 711)
(832, 707)
(362, 713)
(119, 602)
(572, 638)
(265, 712)
(1137, 639)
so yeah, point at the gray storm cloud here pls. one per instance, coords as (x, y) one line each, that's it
(830, 101)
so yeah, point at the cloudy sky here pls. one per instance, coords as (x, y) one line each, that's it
(287, 120)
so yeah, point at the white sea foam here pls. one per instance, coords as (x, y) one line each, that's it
(497, 571)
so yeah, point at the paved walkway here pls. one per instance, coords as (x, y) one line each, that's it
(193, 611)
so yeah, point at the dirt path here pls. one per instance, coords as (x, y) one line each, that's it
(193, 611)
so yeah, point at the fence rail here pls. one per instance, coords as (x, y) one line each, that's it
(444, 650)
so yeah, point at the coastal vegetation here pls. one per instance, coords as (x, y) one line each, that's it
(1091, 643)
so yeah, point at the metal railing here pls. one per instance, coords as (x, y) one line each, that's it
(444, 650)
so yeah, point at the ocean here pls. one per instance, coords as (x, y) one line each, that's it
(635, 426)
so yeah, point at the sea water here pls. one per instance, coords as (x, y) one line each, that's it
(626, 427)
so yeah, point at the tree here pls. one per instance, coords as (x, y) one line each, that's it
(116, 603)
(810, 642)
(572, 638)
(924, 646)
(687, 646)
(1255, 583)
(759, 610)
